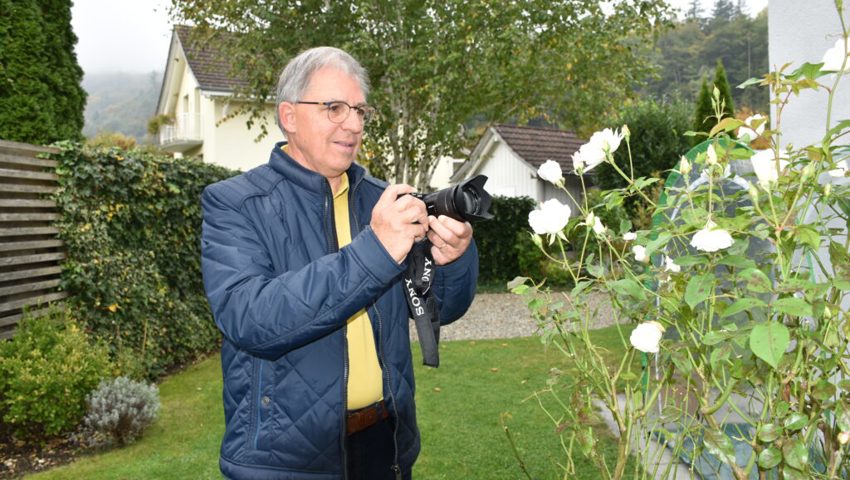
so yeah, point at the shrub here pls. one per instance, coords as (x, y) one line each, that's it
(660, 128)
(131, 221)
(121, 409)
(498, 262)
(46, 371)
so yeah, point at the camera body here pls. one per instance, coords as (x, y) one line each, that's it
(465, 202)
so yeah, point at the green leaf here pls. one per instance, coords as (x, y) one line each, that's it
(658, 243)
(823, 391)
(796, 454)
(796, 421)
(742, 305)
(737, 261)
(769, 458)
(720, 445)
(769, 432)
(808, 236)
(688, 260)
(768, 341)
(756, 280)
(595, 269)
(713, 338)
(727, 125)
(629, 288)
(518, 286)
(749, 82)
(699, 289)
(793, 306)
(580, 287)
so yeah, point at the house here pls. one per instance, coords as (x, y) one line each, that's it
(510, 155)
(196, 97)
(798, 38)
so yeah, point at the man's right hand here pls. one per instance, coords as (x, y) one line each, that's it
(398, 220)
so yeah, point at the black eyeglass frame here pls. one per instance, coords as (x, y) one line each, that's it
(365, 112)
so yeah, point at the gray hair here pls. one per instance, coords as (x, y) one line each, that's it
(295, 77)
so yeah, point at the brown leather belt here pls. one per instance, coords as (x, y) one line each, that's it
(365, 417)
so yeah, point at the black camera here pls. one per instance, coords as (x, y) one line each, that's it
(465, 202)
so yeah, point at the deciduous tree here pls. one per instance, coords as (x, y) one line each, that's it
(435, 65)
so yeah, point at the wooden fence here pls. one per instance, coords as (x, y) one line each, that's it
(30, 252)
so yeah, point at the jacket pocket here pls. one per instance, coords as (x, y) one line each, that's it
(262, 409)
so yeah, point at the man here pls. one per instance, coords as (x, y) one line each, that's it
(302, 261)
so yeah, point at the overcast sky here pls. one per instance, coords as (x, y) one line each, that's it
(133, 35)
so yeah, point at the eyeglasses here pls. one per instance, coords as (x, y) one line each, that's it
(338, 111)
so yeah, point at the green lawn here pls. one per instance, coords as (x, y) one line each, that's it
(459, 406)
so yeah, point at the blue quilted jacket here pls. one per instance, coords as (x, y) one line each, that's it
(281, 291)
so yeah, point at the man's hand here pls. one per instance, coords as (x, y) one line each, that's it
(398, 221)
(449, 237)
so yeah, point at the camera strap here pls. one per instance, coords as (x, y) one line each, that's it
(423, 306)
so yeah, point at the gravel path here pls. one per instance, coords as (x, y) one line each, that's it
(500, 315)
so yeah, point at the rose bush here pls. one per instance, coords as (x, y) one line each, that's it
(733, 308)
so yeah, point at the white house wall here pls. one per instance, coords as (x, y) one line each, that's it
(800, 34)
(508, 176)
(231, 144)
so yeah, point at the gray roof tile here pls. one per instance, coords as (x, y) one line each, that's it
(209, 66)
(536, 145)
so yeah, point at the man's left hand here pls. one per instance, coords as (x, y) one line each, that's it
(449, 237)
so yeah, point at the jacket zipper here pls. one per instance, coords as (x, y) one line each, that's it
(333, 247)
(386, 371)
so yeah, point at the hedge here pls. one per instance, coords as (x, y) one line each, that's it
(496, 239)
(131, 222)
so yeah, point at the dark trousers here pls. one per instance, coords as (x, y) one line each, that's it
(371, 453)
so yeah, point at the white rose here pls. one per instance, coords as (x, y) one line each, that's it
(752, 128)
(671, 266)
(640, 253)
(594, 222)
(646, 337)
(608, 140)
(711, 238)
(844, 438)
(834, 57)
(764, 164)
(684, 166)
(551, 172)
(595, 150)
(629, 236)
(551, 217)
(711, 155)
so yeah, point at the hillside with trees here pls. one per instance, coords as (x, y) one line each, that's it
(121, 103)
(688, 53)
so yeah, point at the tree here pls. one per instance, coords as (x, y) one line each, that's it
(657, 142)
(436, 64)
(723, 11)
(41, 99)
(704, 116)
(727, 105)
(694, 11)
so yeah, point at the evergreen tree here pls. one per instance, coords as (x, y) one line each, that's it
(722, 84)
(723, 12)
(704, 118)
(694, 11)
(41, 99)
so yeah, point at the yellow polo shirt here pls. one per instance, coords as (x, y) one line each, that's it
(365, 381)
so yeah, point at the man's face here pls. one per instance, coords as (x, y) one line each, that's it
(314, 141)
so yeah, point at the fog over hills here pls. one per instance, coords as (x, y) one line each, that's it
(121, 102)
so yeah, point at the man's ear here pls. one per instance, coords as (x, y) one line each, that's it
(286, 111)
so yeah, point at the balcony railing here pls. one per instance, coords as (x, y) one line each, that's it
(184, 134)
